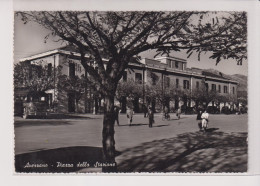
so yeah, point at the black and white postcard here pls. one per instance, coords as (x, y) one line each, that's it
(133, 91)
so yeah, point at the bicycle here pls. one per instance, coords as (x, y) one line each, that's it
(166, 117)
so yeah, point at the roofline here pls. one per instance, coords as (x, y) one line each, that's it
(220, 79)
(41, 55)
(52, 52)
(57, 51)
(184, 73)
(172, 57)
(151, 59)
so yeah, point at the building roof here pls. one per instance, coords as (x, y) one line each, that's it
(211, 74)
(69, 50)
(155, 63)
(172, 58)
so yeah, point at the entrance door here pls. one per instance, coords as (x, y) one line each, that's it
(176, 105)
(71, 102)
(136, 105)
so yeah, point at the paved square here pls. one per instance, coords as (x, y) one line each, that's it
(169, 146)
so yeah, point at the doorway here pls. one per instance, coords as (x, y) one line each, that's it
(71, 102)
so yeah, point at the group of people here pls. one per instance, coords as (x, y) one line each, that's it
(202, 116)
(166, 114)
(148, 112)
(130, 113)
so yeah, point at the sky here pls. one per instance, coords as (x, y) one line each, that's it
(29, 40)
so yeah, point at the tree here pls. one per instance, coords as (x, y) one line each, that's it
(159, 93)
(38, 78)
(74, 84)
(202, 97)
(128, 91)
(35, 78)
(242, 97)
(225, 37)
(119, 36)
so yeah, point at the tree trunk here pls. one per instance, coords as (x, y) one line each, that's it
(108, 135)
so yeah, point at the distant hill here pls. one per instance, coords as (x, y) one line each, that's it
(241, 79)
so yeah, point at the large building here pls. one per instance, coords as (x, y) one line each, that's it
(171, 71)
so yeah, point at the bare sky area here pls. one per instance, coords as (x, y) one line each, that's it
(29, 40)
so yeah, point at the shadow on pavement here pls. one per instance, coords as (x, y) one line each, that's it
(189, 152)
(67, 155)
(133, 125)
(59, 116)
(62, 119)
(160, 125)
(211, 129)
(22, 123)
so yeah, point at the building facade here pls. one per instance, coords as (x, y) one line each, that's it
(171, 72)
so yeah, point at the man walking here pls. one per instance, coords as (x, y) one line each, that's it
(199, 119)
(145, 110)
(178, 114)
(116, 112)
(151, 116)
(166, 113)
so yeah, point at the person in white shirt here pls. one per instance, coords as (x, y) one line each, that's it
(129, 115)
(205, 120)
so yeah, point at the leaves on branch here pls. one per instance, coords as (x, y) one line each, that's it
(119, 36)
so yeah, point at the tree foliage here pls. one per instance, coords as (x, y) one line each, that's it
(129, 89)
(118, 36)
(35, 78)
(39, 78)
(74, 84)
(225, 36)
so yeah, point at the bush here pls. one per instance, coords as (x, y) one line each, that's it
(213, 110)
(243, 110)
(190, 110)
(225, 110)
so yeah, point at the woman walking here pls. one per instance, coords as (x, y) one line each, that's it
(178, 114)
(129, 115)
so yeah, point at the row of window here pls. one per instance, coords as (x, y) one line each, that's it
(214, 88)
(73, 67)
(186, 83)
(37, 70)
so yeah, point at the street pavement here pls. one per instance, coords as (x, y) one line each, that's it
(37, 134)
(34, 135)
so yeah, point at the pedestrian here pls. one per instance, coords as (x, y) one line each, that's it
(199, 119)
(116, 113)
(178, 114)
(145, 110)
(166, 112)
(151, 116)
(129, 115)
(205, 120)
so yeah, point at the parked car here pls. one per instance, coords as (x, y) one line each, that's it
(35, 109)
